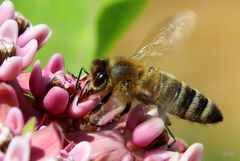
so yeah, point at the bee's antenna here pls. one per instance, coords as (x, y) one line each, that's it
(78, 78)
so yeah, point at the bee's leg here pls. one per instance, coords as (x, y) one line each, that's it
(77, 86)
(126, 109)
(70, 73)
(102, 102)
(81, 92)
(162, 114)
(174, 139)
(74, 94)
(162, 139)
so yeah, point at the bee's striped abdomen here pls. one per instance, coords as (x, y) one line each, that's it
(185, 102)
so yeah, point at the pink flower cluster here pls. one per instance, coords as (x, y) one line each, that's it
(49, 95)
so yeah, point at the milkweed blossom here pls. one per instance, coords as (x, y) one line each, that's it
(55, 90)
(17, 49)
(52, 97)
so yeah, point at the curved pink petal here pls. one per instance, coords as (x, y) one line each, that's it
(38, 84)
(6, 11)
(18, 149)
(23, 80)
(8, 99)
(55, 64)
(10, 68)
(28, 137)
(46, 142)
(163, 156)
(27, 53)
(181, 145)
(106, 145)
(79, 110)
(137, 116)
(25, 104)
(15, 121)
(81, 152)
(10, 29)
(56, 100)
(147, 131)
(193, 153)
(39, 32)
(1, 156)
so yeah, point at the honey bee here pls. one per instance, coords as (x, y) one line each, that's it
(128, 79)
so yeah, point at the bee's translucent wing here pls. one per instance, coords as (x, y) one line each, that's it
(169, 37)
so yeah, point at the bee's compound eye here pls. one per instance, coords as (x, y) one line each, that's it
(100, 79)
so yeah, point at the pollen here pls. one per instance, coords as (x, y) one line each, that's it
(5, 135)
(7, 47)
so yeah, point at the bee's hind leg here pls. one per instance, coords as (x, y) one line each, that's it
(173, 137)
(167, 122)
(126, 109)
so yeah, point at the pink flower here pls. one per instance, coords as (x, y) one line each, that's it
(13, 96)
(7, 11)
(79, 152)
(40, 32)
(13, 58)
(18, 149)
(46, 142)
(8, 99)
(143, 138)
(17, 52)
(14, 121)
(42, 144)
(56, 90)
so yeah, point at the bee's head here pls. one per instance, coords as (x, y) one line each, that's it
(98, 73)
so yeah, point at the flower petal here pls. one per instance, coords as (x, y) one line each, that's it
(18, 149)
(10, 29)
(181, 145)
(15, 121)
(23, 80)
(82, 151)
(147, 131)
(55, 64)
(6, 11)
(1, 156)
(79, 110)
(37, 83)
(137, 116)
(10, 68)
(39, 32)
(163, 156)
(46, 142)
(25, 104)
(56, 100)
(7, 100)
(27, 52)
(106, 145)
(193, 153)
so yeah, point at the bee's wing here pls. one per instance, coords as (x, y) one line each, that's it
(169, 37)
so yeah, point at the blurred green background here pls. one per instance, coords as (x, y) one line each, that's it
(209, 61)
